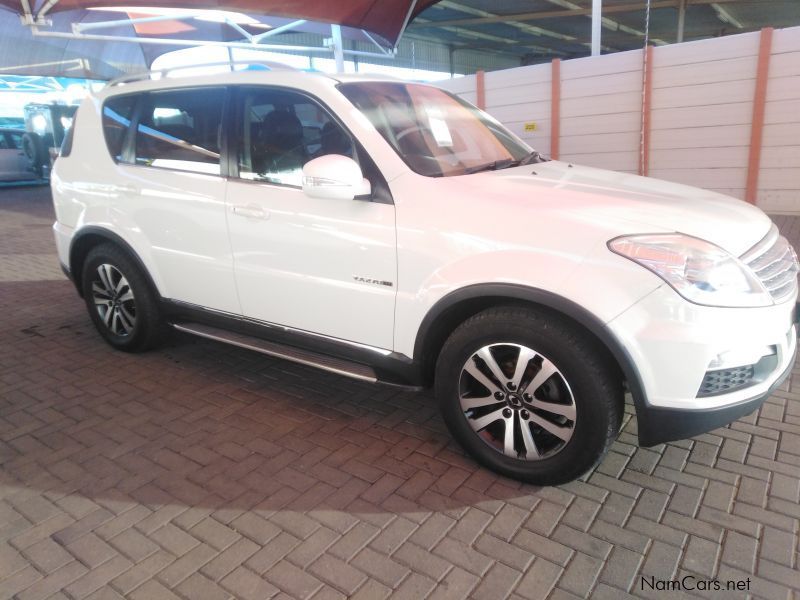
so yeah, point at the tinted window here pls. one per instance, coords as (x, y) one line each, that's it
(181, 129)
(279, 132)
(3, 142)
(117, 114)
(14, 140)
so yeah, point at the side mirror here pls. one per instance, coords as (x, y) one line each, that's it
(335, 177)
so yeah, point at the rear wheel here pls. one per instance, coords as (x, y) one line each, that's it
(528, 394)
(120, 301)
(33, 147)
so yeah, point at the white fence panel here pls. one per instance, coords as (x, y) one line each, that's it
(701, 112)
(779, 179)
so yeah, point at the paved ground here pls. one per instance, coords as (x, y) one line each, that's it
(204, 471)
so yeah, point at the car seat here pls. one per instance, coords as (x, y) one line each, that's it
(334, 140)
(278, 143)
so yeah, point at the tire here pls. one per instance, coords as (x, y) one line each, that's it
(121, 303)
(568, 394)
(34, 150)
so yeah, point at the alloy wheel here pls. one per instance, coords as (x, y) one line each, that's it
(114, 300)
(517, 401)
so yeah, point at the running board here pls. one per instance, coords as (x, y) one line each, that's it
(304, 357)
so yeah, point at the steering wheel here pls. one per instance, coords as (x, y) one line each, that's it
(410, 130)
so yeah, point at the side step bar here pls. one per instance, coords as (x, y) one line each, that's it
(304, 357)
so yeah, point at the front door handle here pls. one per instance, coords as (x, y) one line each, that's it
(250, 211)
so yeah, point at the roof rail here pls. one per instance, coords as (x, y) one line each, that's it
(270, 64)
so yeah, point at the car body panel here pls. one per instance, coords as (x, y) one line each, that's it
(309, 263)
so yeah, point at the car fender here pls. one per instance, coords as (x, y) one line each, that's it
(138, 250)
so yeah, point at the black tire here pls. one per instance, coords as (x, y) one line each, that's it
(147, 327)
(34, 149)
(593, 391)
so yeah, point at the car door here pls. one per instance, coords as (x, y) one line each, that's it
(318, 265)
(171, 182)
(9, 159)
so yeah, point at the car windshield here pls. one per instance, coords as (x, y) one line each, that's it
(434, 132)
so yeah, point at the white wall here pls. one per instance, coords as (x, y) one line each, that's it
(701, 110)
(779, 183)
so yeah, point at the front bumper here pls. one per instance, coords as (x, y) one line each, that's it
(672, 343)
(657, 425)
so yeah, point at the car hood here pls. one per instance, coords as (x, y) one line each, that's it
(642, 204)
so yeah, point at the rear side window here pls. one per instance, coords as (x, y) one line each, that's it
(181, 129)
(14, 140)
(117, 114)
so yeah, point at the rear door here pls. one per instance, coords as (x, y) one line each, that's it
(170, 177)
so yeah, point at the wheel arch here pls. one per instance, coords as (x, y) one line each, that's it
(457, 306)
(90, 237)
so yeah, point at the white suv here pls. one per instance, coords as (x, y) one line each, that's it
(391, 232)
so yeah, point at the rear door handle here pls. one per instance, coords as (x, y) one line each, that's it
(250, 211)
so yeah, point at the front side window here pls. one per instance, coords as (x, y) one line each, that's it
(434, 132)
(279, 131)
(181, 129)
(117, 115)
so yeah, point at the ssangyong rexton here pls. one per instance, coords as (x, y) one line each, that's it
(391, 232)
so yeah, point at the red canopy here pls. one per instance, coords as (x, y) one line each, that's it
(383, 17)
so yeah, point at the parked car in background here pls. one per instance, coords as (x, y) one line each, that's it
(46, 126)
(14, 165)
(392, 232)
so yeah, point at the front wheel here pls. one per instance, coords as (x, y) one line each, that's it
(529, 394)
(120, 301)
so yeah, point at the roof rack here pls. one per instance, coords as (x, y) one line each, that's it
(270, 64)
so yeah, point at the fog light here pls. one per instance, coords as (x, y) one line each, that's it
(740, 357)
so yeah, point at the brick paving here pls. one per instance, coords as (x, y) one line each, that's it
(204, 471)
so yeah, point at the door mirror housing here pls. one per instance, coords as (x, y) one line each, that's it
(336, 177)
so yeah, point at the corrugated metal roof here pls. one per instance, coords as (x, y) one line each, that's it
(539, 30)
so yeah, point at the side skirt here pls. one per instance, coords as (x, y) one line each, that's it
(337, 356)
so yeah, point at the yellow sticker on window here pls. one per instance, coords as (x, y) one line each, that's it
(530, 126)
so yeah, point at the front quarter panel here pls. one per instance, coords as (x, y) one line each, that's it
(451, 236)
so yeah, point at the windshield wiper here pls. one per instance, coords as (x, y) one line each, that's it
(495, 165)
(530, 158)
(506, 163)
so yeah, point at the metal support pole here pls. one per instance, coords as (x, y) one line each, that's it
(681, 20)
(597, 24)
(338, 49)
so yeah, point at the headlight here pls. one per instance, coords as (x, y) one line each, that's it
(698, 270)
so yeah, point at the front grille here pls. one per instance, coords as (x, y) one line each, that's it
(726, 380)
(774, 262)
